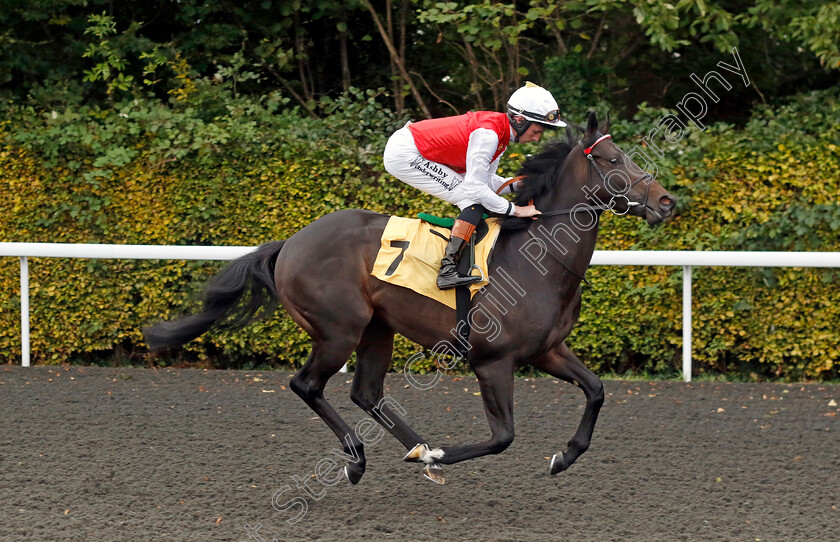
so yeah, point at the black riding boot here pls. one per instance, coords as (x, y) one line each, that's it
(448, 277)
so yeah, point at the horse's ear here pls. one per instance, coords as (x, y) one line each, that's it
(605, 129)
(592, 125)
(569, 137)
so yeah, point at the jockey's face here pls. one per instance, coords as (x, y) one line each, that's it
(533, 133)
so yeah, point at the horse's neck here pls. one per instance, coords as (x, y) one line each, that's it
(569, 190)
(572, 236)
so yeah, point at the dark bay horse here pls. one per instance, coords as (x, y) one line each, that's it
(322, 276)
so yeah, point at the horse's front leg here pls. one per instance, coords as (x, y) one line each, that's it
(496, 384)
(560, 362)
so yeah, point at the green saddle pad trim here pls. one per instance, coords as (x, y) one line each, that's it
(440, 221)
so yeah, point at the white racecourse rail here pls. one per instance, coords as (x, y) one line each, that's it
(684, 259)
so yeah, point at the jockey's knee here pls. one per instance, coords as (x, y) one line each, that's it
(472, 214)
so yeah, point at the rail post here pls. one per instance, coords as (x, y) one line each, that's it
(686, 306)
(24, 311)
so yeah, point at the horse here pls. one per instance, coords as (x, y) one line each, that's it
(321, 276)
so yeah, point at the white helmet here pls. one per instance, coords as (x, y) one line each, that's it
(535, 104)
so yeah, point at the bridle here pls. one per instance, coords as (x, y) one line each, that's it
(592, 163)
(587, 151)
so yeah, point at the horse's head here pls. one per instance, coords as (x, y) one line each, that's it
(593, 173)
(615, 180)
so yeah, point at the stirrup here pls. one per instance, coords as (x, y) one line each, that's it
(455, 280)
(482, 278)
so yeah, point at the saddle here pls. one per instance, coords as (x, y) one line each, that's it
(410, 255)
(411, 250)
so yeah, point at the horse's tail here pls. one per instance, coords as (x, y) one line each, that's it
(251, 276)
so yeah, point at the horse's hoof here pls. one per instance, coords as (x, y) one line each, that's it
(353, 475)
(558, 464)
(416, 454)
(434, 473)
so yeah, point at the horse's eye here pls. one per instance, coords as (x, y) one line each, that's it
(613, 160)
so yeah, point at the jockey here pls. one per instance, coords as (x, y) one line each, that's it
(455, 159)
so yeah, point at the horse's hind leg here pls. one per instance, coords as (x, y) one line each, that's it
(563, 364)
(326, 358)
(373, 357)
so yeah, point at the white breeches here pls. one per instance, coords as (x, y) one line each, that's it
(403, 161)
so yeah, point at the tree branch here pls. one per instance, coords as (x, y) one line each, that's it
(473, 63)
(389, 44)
(441, 100)
(597, 37)
(288, 87)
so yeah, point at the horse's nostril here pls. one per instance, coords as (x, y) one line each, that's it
(666, 203)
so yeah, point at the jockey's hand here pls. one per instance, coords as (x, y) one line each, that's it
(526, 211)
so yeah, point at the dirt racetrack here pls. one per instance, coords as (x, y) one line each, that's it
(185, 455)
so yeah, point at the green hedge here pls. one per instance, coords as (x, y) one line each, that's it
(242, 172)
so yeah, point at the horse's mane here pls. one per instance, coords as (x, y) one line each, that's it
(541, 172)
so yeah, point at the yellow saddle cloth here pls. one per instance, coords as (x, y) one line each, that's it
(410, 256)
